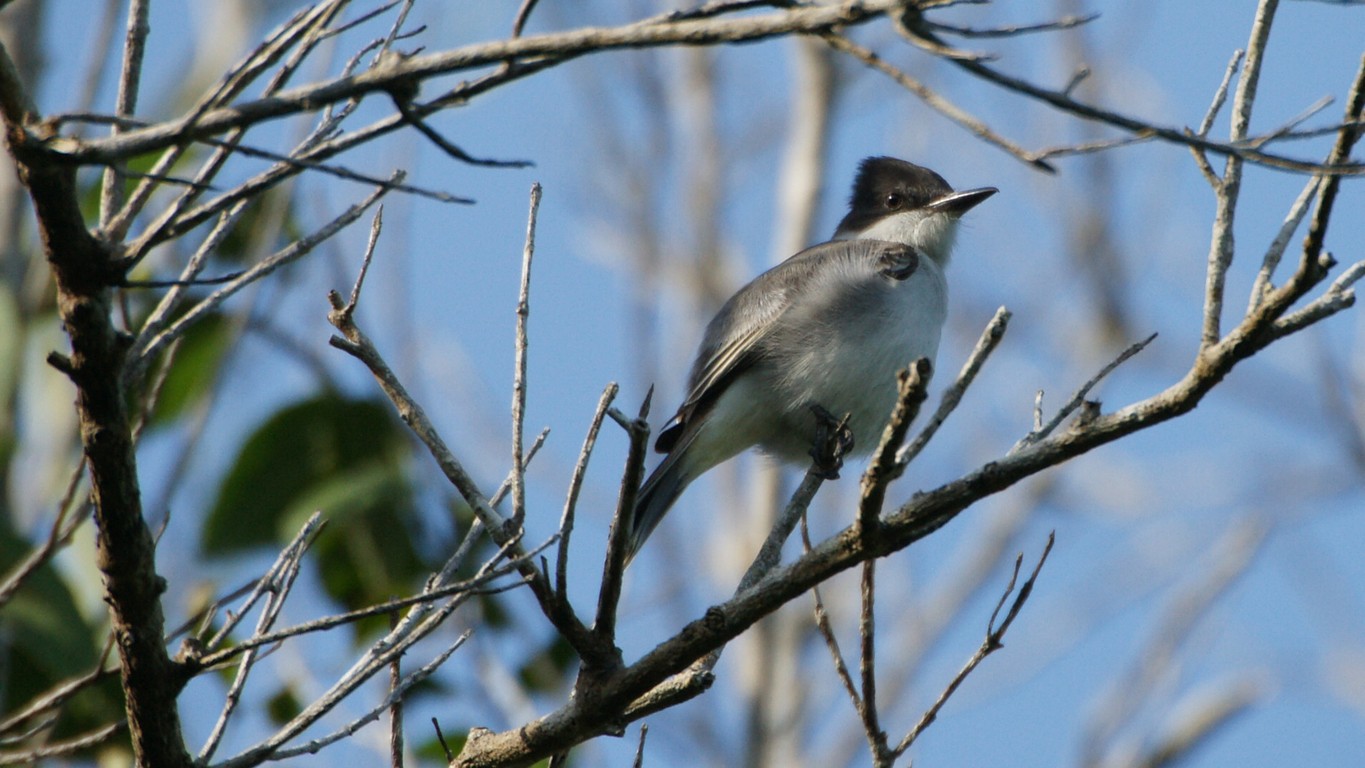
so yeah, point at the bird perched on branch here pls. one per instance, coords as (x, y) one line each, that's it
(822, 334)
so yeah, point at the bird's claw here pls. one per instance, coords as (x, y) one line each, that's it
(833, 440)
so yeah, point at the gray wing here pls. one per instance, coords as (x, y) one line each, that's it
(735, 337)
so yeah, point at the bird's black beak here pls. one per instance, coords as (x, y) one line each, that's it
(958, 203)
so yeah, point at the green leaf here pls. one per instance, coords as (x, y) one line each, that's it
(283, 706)
(47, 641)
(295, 457)
(194, 373)
(347, 458)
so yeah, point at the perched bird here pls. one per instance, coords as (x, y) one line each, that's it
(822, 334)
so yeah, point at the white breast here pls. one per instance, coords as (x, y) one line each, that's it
(850, 353)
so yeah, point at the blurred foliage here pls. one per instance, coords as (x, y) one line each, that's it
(349, 459)
(44, 640)
(550, 669)
(284, 705)
(194, 373)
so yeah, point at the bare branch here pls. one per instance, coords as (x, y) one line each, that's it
(867, 667)
(130, 77)
(359, 346)
(289, 253)
(1220, 96)
(989, 340)
(411, 117)
(993, 642)
(934, 101)
(396, 694)
(518, 24)
(1142, 128)
(913, 389)
(59, 535)
(395, 704)
(1229, 188)
(1078, 398)
(1014, 30)
(1347, 137)
(580, 470)
(64, 748)
(614, 566)
(1275, 252)
(60, 693)
(519, 375)
(431, 593)
(826, 631)
(541, 49)
(281, 581)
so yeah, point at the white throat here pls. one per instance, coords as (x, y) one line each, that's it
(928, 232)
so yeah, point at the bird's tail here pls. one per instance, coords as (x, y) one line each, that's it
(656, 497)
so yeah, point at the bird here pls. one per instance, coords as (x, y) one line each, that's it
(824, 332)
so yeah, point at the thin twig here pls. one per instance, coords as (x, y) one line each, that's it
(395, 704)
(640, 747)
(289, 253)
(993, 642)
(291, 552)
(395, 32)
(697, 677)
(59, 535)
(474, 585)
(62, 748)
(1063, 101)
(355, 343)
(580, 470)
(160, 316)
(913, 388)
(62, 692)
(613, 569)
(376, 226)
(551, 48)
(228, 87)
(1292, 123)
(125, 103)
(1078, 398)
(1013, 30)
(396, 695)
(826, 630)
(518, 24)
(1089, 147)
(420, 622)
(413, 118)
(1340, 295)
(1229, 188)
(867, 664)
(1341, 150)
(1220, 97)
(1275, 252)
(278, 590)
(985, 345)
(934, 100)
(519, 374)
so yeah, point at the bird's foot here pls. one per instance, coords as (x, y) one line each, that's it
(833, 440)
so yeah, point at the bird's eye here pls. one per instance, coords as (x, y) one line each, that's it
(893, 201)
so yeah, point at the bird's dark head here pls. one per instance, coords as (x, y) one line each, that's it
(906, 203)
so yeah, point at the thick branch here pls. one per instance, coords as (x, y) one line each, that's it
(84, 269)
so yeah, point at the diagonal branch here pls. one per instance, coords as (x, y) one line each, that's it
(397, 73)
